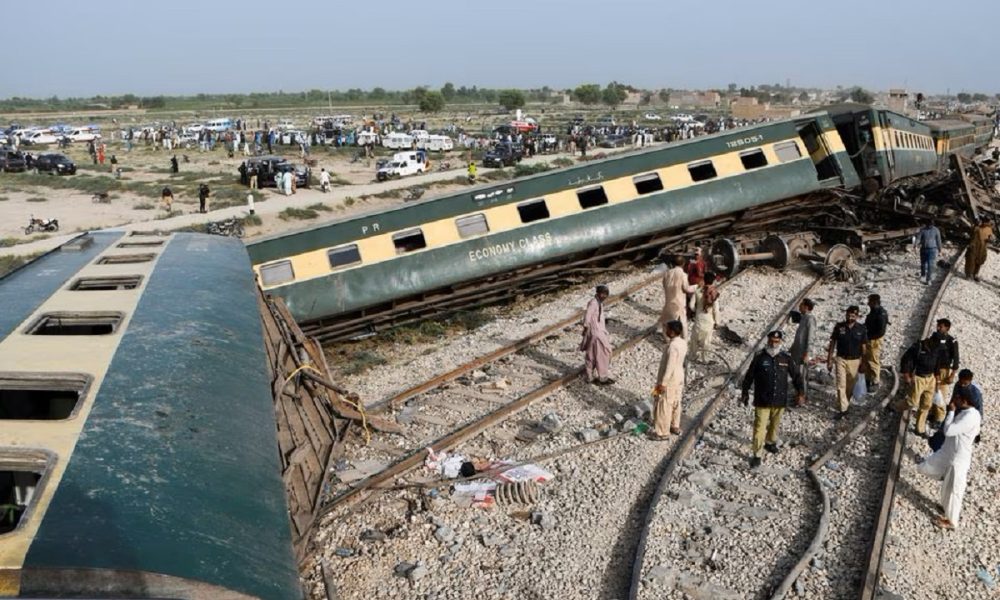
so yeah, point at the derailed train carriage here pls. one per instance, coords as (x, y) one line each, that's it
(138, 452)
(478, 246)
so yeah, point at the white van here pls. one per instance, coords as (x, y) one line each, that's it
(397, 141)
(366, 138)
(219, 124)
(39, 137)
(436, 143)
(403, 164)
(84, 134)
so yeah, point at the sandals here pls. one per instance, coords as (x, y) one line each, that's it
(658, 438)
(943, 523)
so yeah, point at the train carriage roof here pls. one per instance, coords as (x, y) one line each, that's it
(949, 126)
(169, 464)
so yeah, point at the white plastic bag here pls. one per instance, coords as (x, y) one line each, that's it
(860, 388)
(939, 399)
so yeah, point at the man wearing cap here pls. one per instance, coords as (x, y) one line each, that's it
(849, 340)
(669, 383)
(596, 342)
(947, 364)
(769, 373)
(876, 323)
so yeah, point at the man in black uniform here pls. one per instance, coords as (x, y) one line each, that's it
(875, 324)
(850, 339)
(947, 365)
(769, 373)
(919, 368)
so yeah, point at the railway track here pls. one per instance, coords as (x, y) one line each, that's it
(441, 414)
(821, 484)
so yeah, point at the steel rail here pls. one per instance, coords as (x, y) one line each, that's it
(434, 382)
(876, 549)
(695, 431)
(457, 436)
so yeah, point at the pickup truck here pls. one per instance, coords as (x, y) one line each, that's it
(503, 155)
(12, 160)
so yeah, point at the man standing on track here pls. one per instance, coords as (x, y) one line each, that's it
(803, 339)
(675, 290)
(947, 365)
(850, 340)
(875, 324)
(669, 383)
(952, 462)
(768, 374)
(596, 342)
(919, 368)
(706, 318)
(928, 242)
(975, 255)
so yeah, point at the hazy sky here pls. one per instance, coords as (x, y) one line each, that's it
(86, 47)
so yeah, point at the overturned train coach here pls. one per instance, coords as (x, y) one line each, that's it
(138, 450)
(343, 278)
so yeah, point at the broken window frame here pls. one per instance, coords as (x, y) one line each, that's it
(530, 207)
(592, 197)
(39, 462)
(59, 382)
(647, 178)
(94, 284)
(69, 318)
(702, 170)
(141, 244)
(755, 154)
(123, 259)
(401, 236)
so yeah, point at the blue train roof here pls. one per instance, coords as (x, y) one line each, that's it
(168, 465)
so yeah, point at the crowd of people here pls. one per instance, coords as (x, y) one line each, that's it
(943, 396)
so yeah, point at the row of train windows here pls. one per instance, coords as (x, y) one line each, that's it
(909, 140)
(529, 212)
(958, 142)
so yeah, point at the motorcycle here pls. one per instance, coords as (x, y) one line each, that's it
(41, 225)
(231, 227)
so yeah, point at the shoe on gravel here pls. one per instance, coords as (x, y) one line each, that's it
(675, 430)
(772, 448)
(840, 415)
(658, 438)
(943, 523)
(754, 462)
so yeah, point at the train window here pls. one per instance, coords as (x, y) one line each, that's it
(409, 240)
(648, 183)
(343, 256)
(21, 476)
(534, 210)
(702, 170)
(591, 197)
(787, 151)
(898, 142)
(104, 284)
(275, 273)
(753, 159)
(472, 225)
(148, 244)
(121, 259)
(75, 323)
(41, 397)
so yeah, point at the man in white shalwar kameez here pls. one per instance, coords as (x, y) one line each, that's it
(951, 463)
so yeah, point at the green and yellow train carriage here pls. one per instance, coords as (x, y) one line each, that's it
(363, 264)
(884, 146)
(983, 126)
(953, 136)
(138, 449)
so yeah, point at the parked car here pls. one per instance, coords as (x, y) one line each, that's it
(652, 117)
(59, 164)
(503, 155)
(268, 166)
(84, 134)
(614, 141)
(12, 160)
(39, 137)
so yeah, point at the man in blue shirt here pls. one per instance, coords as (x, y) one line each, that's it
(928, 241)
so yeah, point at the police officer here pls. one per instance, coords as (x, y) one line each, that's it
(769, 373)
(850, 340)
(919, 367)
(875, 324)
(947, 365)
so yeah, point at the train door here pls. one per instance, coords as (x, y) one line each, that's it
(819, 151)
(886, 145)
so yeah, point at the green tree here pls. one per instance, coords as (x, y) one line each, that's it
(431, 102)
(980, 97)
(614, 94)
(804, 96)
(861, 96)
(587, 93)
(964, 98)
(664, 96)
(377, 93)
(731, 88)
(448, 91)
(511, 99)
